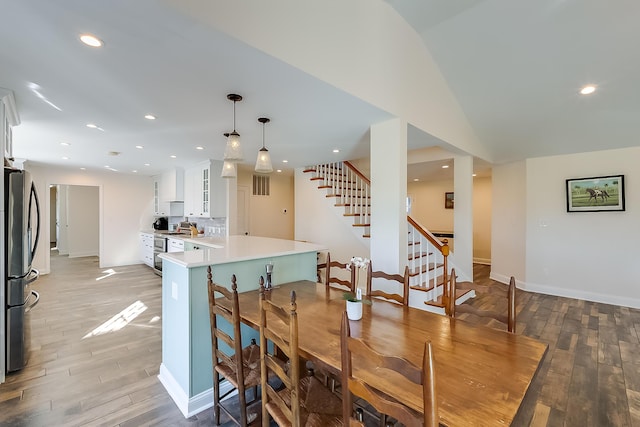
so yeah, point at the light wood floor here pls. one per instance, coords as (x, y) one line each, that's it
(590, 377)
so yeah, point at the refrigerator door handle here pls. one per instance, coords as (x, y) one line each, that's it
(33, 196)
(33, 275)
(34, 303)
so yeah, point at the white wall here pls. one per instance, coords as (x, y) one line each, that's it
(318, 221)
(585, 255)
(427, 205)
(508, 222)
(482, 220)
(125, 207)
(266, 216)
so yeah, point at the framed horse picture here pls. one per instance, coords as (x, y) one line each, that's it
(597, 194)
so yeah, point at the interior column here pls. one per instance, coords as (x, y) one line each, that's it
(463, 216)
(388, 195)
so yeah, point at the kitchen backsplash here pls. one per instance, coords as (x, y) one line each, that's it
(213, 227)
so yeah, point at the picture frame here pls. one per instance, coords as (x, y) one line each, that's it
(595, 194)
(448, 200)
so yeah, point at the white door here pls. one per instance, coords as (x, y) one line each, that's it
(243, 210)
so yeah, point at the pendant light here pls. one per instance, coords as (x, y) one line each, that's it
(233, 151)
(228, 167)
(263, 163)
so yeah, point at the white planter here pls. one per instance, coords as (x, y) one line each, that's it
(354, 310)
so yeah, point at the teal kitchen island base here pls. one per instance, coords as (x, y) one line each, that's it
(186, 369)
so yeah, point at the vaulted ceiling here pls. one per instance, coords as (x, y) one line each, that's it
(515, 68)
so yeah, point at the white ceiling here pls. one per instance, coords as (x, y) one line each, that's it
(514, 66)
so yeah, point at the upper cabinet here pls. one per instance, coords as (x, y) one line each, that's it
(8, 119)
(205, 193)
(168, 193)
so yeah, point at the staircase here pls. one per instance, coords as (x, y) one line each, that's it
(427, 255)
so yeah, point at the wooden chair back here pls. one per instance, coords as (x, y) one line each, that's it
(335, 265)
(284, 413)
(403, 280)
(223, 303)
(231, 315)
(356, 349)
(508, 319)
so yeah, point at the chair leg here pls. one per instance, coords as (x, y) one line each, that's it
(243, 406)
(216, 397)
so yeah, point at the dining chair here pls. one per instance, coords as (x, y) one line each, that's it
(301, 401)
(242, 368)
(358, 350)
(339, 266)
(393, 279)
(509, 319)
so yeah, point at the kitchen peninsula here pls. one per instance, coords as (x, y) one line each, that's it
(186, 370)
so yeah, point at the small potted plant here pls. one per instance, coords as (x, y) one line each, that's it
(354, 304)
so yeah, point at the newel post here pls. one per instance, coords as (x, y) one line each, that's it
(445, 254)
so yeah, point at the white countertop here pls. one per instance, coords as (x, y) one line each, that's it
(222, 250)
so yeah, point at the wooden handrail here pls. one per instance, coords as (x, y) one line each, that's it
(357, 172)
(440, 244)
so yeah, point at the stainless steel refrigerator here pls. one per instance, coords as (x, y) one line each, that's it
(22, 231)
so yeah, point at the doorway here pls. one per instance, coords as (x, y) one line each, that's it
(74, 223)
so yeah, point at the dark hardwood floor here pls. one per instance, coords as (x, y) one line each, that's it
(96, 351)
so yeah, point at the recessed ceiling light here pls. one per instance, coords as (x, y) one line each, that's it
(445, 166)
(91, 40)
(94, 126)
(66, 144)
(415, 179)
(65, 158)
(83, 169)
(278, 170)
(473, 174)
(139, 147)
(134, 171)
(285, 161)
(150, 117)
(588, 90)
(173, 156)
(336, 150)
(199, 148)
(147, 164)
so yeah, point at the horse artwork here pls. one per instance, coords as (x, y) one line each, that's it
(597, 194)
(594, 193)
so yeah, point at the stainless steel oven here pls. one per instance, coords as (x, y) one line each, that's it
(159, 246)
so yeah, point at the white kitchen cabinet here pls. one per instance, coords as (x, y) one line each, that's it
(168, 193)
(172, 185)
(8, 119)
(175, 245)
(191, 191)
(205, 191)
(146, 248)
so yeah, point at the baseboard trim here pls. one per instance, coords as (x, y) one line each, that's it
(484, 261)
(569, 293)
(189, 406)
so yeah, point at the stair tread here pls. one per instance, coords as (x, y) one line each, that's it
(431, 266)
(438, 301)
(419, 255)
(362, 225)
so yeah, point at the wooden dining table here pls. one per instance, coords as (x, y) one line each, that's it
(482, 374)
